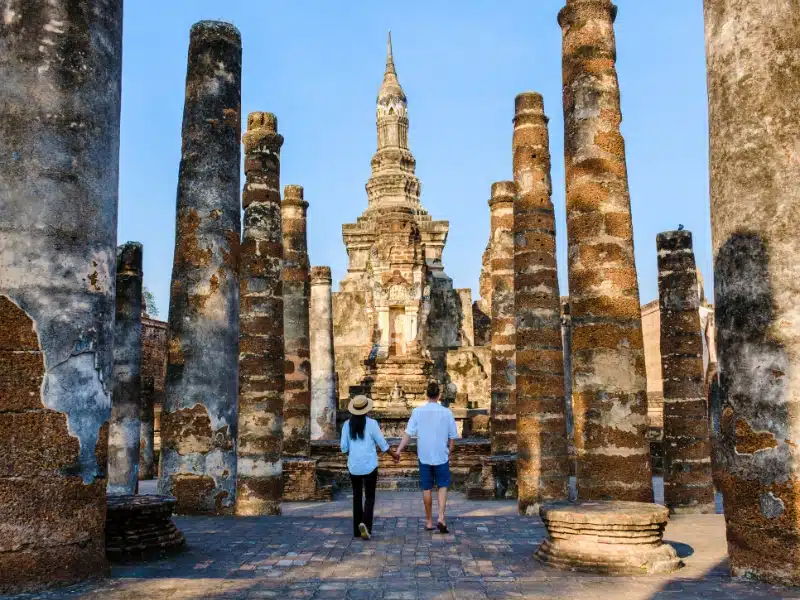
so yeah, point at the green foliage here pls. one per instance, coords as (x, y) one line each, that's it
(149, 302)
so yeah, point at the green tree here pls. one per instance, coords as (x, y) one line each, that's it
(149, 302)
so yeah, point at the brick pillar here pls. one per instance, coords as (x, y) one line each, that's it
(296, 289)
(199, 417)
(59, 139)
(504, 406)
(261, 377)
(542, 459)
(688, 487)
(147, 463)
(125, 423)
(323, 384)
(754, 101)
(609, 382)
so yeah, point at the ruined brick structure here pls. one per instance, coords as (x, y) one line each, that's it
(259, 482)
(688, 487)
(609, 384)
(59, 139)
(542, 458)
(296, 293)
(199, 417)
(754, 102)
(125, 424)
(398, 321)
(154, 372)
(323, 374)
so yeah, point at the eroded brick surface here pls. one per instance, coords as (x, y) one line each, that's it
(609, 383)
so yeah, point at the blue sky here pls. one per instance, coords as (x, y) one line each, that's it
(318, 64)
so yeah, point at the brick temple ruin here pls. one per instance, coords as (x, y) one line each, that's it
(219, 403)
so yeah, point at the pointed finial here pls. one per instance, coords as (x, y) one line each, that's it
(389, 57)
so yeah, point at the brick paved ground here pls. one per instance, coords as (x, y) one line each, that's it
(310, 553)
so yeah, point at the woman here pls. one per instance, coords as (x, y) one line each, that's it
(360, 435)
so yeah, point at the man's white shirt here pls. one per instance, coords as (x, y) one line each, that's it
(434, 426)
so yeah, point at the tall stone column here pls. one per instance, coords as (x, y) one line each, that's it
(688, 487)
(125, 422)
(261, 369)
(147, 463)
(609, 382)
(323, 384)
(296, 290)
(59, 139)
(199, 417)
(504, 405)
(754, 101)
(542, 458)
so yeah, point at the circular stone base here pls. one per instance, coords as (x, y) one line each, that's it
(611, 538)
(141, 527)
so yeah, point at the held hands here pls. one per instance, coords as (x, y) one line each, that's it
(395, 455)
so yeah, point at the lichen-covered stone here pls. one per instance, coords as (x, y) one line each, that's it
(754, 101)
(323, 376)
(125, 424)
(261, 348)
(297, 344)
(609, 382)
(503, 344)
(59, 142)
(199, 418)
(542, 458)
(688, 487)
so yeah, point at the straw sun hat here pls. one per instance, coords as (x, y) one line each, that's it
(360, 405)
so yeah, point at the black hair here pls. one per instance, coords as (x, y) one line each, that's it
(433, 390)
(357, 424)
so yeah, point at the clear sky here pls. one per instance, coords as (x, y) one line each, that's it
(318, 65)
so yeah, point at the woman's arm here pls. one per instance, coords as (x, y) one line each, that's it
(344, 443)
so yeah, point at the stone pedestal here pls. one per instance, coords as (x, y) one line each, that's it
(609, 538)
(496, 479)
(141, 528)
(300, 482)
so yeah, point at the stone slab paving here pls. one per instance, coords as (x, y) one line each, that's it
(309, 552)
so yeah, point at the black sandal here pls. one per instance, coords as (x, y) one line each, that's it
(442, 527)
(430, 529)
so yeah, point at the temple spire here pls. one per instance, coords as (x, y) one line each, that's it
(390, 88)
(389, 57)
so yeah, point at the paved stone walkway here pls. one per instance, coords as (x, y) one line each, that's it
(309, 552)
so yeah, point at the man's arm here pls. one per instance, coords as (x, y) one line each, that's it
(403, 444)
(411, 429)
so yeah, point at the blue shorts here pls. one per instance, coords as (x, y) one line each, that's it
(438, 474)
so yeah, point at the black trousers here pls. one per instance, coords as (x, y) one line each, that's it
(362, 513)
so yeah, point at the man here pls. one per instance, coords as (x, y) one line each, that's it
(435, 429)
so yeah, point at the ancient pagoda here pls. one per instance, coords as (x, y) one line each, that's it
(397, 315)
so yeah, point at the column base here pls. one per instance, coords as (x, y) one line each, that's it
(301, 482)
(608, 538)
(496, 479)
(141, 528)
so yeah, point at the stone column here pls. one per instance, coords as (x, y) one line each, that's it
(504, 406)
(323, 385)
(59, 139)
(261, 369)
(296, 290)
(199, 417)
(688, 487)
(542, 458)
(125, 422)
(147, 464)
(609, 382)
(754, 100)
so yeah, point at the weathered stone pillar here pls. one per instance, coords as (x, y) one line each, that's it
(261, 369)
(323, 377)
(125, 423)
(503, 344)
(296, 290)
(609, 382)
(199, 417)
(754, 99)
(59, 139)
(542, 458)
(147, 463)
(688, 487)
